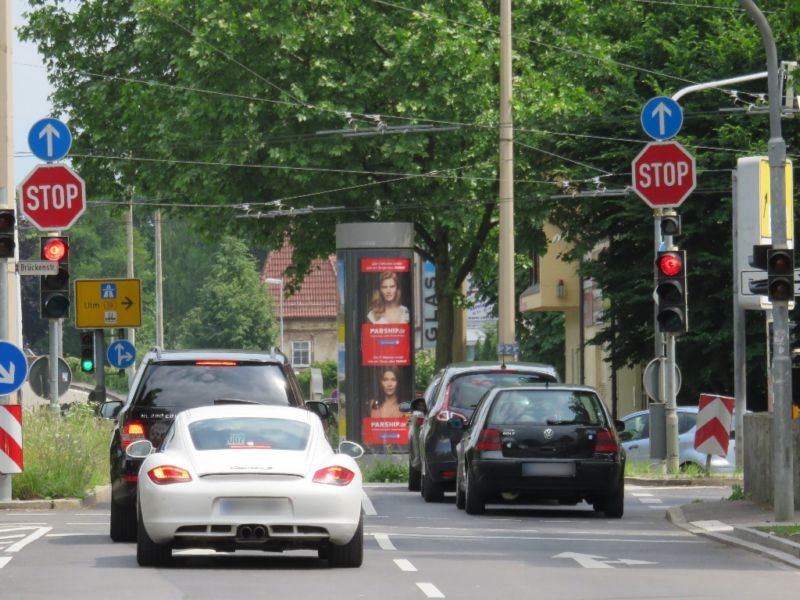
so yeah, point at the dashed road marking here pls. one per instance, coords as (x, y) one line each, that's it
(404, 564)
(366, 504)
(40, 531)
(650, 500)
(383, 541)
(4, 560)
(430, 590)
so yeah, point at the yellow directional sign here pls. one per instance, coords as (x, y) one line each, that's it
(101, 303)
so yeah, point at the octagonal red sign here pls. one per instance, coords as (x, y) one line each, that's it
(53, 197)
(664, 174)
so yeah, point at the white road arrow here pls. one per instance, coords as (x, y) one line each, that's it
(660, 111)
(7, 375)
(122, 356)
(592, 561)
(49, 131)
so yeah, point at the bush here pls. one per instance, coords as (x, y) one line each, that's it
(386, 473)
(64, 456)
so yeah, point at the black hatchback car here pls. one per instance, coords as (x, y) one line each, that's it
(459, 387)
(168, 382)
(554, 442)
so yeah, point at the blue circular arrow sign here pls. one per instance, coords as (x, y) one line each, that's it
(13, 368)
(121, 354)
(661, 118)
(49, 139)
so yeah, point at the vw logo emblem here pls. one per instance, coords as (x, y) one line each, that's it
(548, 434)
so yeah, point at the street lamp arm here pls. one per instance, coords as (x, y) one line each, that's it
(719, 83)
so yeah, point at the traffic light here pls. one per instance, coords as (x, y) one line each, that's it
(87, 351)
(672, 314)
(7, 244)
(54, 293)
(670, 225)
(780, 275)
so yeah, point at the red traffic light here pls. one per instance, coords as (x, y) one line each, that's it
(670, 264)
(55, 249)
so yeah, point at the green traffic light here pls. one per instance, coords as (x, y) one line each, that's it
(87, 365)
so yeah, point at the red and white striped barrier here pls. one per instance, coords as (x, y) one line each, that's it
(10, 438)
(714, 424)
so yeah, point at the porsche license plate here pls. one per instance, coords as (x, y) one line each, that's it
(278, 507)
(548, 469)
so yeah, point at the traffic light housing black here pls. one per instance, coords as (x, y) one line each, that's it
(780, 275)
(670, 225)
(87, 351)
(7, 244)
(54, 292)
(671, 294)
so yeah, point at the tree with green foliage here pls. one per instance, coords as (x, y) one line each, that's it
(233, 309)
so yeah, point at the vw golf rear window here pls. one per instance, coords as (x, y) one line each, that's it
(469, 388)
(546, 407)
(180, 385)
(249, 433)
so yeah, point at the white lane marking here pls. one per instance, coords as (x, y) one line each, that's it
(383, 541)
(404, 564)
(650, 500)
(641, 494)
(59, 535)
(685, 540)
(593, 561)
(8, 537)
(4, 561)
(98, 524)
(712, 525)
(367, 505)
(430, 590)
(40, 531)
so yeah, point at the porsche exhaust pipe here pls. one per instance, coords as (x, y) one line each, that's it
(245, 531)
(259, 532)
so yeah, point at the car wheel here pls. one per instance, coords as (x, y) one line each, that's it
(460, 495)
(123, 523)
(431, 491)
(414, 479)
(614, 505)
(350, 555)
(474, 502)
(148, 553)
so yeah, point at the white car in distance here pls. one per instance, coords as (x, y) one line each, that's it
(249, 477)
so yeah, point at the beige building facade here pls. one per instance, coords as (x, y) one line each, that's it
(557, 287)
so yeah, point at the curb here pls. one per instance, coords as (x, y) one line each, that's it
(695, 481)
(771, 546)
(100, 493)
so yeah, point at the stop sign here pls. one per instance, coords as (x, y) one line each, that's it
(53, 197)
(664, 174)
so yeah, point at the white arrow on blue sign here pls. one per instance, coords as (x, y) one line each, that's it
(121, 354)
(49, 139)
(13, 368)
(661, 118)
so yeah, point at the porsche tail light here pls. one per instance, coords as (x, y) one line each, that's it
(131, 432)
(334, 476)
(606, 442)
(489, 439)
(168, 474)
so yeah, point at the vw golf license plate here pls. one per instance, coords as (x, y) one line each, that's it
(548, 469)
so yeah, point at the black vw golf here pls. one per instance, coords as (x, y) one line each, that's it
(549, 441)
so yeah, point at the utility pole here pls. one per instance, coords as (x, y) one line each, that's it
(131, 333)
(507, 348)
(783, 469)
(159, 285)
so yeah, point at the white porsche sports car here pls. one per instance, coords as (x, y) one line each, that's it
(255, 477)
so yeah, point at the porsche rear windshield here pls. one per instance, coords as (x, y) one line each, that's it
(469, 388)
(249, 433)
(180, 385)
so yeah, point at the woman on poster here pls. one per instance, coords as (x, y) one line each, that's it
(387, 402)
(386, 305)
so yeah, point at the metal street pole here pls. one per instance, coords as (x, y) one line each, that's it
(505, 293)
(783, 471)
(159, 285)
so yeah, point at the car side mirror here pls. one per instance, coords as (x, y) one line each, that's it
(110, 409)
(351, 449)
(140, 449)
(319, 408)
(456, 424)
(619, 425)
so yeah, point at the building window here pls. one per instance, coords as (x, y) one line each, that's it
(301, 354)
(535, 273)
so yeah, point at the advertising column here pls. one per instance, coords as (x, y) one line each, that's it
(377, 319)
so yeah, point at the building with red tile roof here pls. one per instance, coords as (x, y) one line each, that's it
(309, 315)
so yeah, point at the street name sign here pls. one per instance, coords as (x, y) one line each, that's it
(52, 197)
(37, 267)
(664, 174)
(49, 139)
(661, 118)
(101, 303)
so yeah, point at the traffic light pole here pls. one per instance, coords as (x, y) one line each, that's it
(783, 468)
(52, 361)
